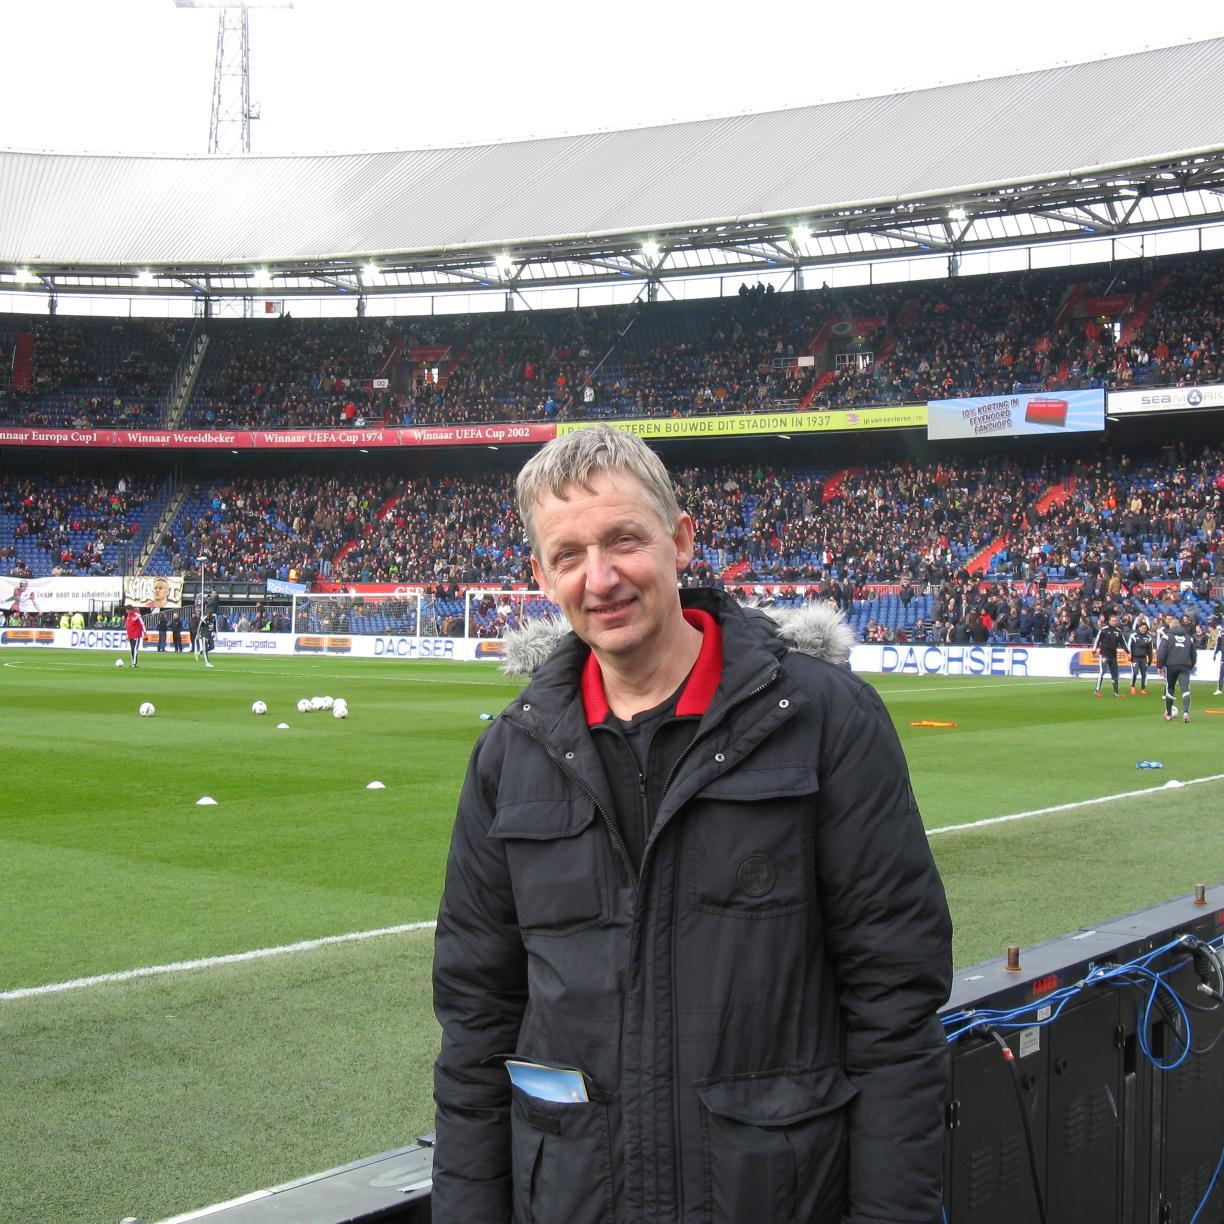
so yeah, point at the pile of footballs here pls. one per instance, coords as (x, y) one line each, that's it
(309, 705)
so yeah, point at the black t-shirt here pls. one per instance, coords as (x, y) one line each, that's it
(638, 730)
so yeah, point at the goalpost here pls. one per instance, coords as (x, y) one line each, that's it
(343, 613)
(489, 613)
(482, 613)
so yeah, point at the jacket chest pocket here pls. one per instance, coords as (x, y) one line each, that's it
(557, 859)
(749, 843)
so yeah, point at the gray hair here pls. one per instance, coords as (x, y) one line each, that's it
(575, 457)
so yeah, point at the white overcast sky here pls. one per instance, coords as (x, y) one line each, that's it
(135, 76)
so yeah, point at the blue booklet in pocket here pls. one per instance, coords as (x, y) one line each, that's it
(548, 1083)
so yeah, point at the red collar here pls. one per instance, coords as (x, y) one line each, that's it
(699, 689)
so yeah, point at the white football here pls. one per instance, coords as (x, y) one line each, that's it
(146, 709)
(304, 706)
(316, 703)
(327, 702)
(259, 707)
(339, 711)
(118, 662)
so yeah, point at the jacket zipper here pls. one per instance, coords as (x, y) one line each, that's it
(671, 773)
(760, 688)
(613, 831)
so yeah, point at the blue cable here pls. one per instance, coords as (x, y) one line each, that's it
(1206, 1197)
(1137, 973)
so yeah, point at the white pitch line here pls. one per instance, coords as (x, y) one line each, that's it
(234, 958)
(1067, 807)
(208, 962)
(963, 688)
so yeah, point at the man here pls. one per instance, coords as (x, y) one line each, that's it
(205, 611)
(1106, 643)
(1139, 647)
(134, 627)
(688, 882)
(1177, 655)
(1218, 653)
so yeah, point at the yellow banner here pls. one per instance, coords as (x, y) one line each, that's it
(846, 420)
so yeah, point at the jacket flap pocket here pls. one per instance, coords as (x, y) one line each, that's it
(776, 1098)
(543, 819)
(744, 784)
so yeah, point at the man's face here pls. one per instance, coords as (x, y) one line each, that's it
(607, 559)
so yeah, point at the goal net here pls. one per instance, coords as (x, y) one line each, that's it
(410, 614)
(491, 613)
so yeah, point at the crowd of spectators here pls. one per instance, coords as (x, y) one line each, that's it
(1179, 343)
(295, 374)
(1061, 538)
(877, 345)
(254, 528)
(1047, 526)
(428, 529)
(113, 373)
(81, 524)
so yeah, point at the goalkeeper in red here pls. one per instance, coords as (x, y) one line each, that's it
(1177, 655)
(134, 626)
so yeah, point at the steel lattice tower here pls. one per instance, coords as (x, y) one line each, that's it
(229, 128)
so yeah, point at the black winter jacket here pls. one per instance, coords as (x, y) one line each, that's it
(755, 1013)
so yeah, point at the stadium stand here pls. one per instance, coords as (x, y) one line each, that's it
(105, 372)
(81, 525)
(1118, 326)
(1032, 547)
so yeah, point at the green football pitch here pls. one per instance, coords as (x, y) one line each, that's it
(145, 1094)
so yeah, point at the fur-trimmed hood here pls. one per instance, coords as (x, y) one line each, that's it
(817, 628)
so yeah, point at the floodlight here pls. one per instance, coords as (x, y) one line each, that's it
(23, 276)
(957, 214)
(261, 277)
(144, 277)
(504, 262)
(801, 233)
(369, 273)
(651, 249)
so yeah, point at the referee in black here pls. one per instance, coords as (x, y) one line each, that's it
(1177, 655)
(1107, 644)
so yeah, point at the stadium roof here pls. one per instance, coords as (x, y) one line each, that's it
(1128, 143)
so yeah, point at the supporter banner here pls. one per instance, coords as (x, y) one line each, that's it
(447, 435)
(280, 439)
(1110, 305)
(905, 416)
(146, 589)
(1022, 413)
(403, 588)
(1166, 399)
(57, 594)
(278, 586)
